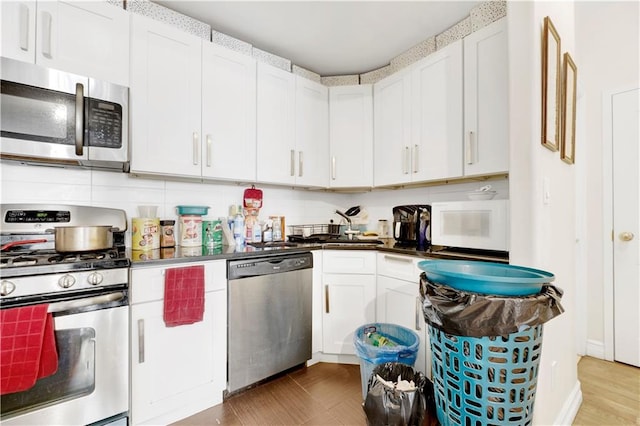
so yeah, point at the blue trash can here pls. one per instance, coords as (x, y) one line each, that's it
(404, 352)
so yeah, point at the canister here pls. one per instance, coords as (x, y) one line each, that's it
(167, 233)
(145, 233)
(190, 230)
(211, 232)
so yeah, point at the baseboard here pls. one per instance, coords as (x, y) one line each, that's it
(570, 408)
(595, 349)
(333, 358)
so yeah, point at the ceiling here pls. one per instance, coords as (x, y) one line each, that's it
(329, 37)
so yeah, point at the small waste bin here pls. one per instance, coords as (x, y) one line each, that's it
(405, 349)
(387, 403)
(485, 363)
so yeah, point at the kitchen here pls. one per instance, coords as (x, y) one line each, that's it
(529, 245)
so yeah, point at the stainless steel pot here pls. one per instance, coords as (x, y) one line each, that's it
(83, 238)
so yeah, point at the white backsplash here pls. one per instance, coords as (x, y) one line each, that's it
(51, 185)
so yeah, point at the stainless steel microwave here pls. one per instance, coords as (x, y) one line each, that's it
(480, 225)
(50, 116)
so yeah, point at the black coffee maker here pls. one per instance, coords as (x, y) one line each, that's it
(412, 225)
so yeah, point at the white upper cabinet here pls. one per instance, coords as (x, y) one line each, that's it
(165, 99)
(311, 134)
(392, 130)
(83, 37)
(486, 100)
(418, 120)
(275, 125)
(351, 136)
(228, 114)
(436, 142)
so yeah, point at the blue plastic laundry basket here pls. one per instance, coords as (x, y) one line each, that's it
(405, 352)
(485, 380)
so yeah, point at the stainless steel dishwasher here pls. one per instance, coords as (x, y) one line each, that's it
(269, 316)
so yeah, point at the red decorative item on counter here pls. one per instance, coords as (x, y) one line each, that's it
(27, 347)
(183, 295)
(252, 198)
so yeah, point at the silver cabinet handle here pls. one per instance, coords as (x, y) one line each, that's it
(292, 162)
(326, 299)
(468, 154)
(300, 162)
(414, 156)
(208, 150)
(418, 312)
(397, 259)
(140, 341)
(79, 118)
(46, 34)
(24, 27)
(333, 168)
(196, 149)
(405, 161)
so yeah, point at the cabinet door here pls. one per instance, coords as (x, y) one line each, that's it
(312, 133)
(398, 302)
(349, 303)
(84, 37)
(171, 367)
(275, 125)
(392, 130)
(351, 136)
(228, 114)
(19, 30)
(165, 99)
(437, 115)
(486, 113)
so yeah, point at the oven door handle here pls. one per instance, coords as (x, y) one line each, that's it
(83, 303)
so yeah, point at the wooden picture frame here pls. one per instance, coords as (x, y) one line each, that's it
(551, 86)
(569, 84)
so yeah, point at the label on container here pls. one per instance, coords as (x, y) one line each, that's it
(145, 233)
(211, 233)
(190, 231)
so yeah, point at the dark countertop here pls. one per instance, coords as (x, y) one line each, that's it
(202, 253)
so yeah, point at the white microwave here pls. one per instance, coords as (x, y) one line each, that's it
(480, 225)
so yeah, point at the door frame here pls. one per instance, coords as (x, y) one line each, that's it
(607, 216)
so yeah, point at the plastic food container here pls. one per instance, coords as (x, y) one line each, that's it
(486, 277)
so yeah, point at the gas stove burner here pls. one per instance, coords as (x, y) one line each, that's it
(80, 257)
(19, 260)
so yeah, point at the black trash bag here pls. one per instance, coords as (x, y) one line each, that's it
(477, 315)
(387, 406)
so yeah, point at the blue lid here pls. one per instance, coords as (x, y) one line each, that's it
(195, 210)
(486, 277)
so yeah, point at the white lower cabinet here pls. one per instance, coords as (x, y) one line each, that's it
(349, 292)
(176, 371)
(398, 301)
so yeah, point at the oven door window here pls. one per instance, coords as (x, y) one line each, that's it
(36, 114)
(76, 375)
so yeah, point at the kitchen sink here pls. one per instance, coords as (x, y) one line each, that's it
(345, 242)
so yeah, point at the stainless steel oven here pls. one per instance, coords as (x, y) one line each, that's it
(87, 294)
(58, 117)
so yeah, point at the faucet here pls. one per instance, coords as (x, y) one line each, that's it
(348, 232)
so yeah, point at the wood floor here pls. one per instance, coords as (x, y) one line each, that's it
(330, 394)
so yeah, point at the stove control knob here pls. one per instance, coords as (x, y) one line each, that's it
(6, 288)
(94, 278)
(66, 281)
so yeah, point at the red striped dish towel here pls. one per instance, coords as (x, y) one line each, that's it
(27, 347)
(183, 295)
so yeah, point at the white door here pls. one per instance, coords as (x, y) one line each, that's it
(626, 226)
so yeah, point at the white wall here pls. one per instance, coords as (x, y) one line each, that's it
(608, 59)
(543, 235)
